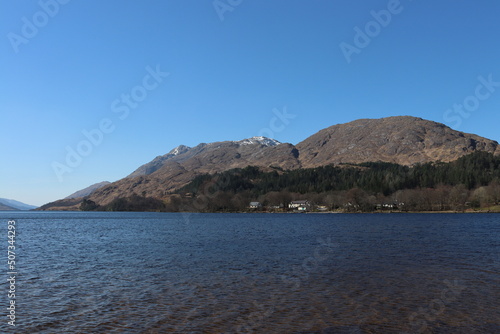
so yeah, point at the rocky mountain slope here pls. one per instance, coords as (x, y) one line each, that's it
(87, 191)
(244, 151)
(177, 168)
(404, 140)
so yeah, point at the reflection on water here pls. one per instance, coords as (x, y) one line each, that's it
(257, 273)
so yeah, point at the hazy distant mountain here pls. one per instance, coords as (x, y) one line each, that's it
(4, 207)
(16, 205)
(87, 191)
(404, 140)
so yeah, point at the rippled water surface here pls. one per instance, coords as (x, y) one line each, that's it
(254, 273)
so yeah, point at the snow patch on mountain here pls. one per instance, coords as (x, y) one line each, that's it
(259, 140)
(179, 150)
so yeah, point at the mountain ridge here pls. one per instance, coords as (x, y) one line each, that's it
(16, 205)
(182, 150)
(4, 207)
(88, 190)
(404, 140)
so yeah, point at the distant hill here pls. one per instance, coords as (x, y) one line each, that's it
(15, 205)
(69, 204)
(87, 191)
(73, 201)
(4, 207)
(403, 140)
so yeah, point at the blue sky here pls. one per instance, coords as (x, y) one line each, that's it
(74, 66)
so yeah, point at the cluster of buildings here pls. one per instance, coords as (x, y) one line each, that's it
(306, 206)
(297, 206)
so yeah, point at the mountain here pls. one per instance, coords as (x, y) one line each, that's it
(159, 161)
(4, 207)
(403, 140)
(177, 168)
(15, 205)
(87, 191)
(182, 153)
(73, 201)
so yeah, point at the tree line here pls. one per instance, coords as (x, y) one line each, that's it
(469, 182)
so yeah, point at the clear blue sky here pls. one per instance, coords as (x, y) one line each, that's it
(226, 76)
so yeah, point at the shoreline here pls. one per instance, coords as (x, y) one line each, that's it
(283, 212)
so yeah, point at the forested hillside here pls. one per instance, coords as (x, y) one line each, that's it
(471, 181)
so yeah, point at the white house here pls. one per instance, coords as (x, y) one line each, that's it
(255, 205)
(303, 205)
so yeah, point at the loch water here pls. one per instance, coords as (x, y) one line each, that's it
(115, 272)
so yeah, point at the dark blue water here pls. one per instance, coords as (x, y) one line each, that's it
(254, 273)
